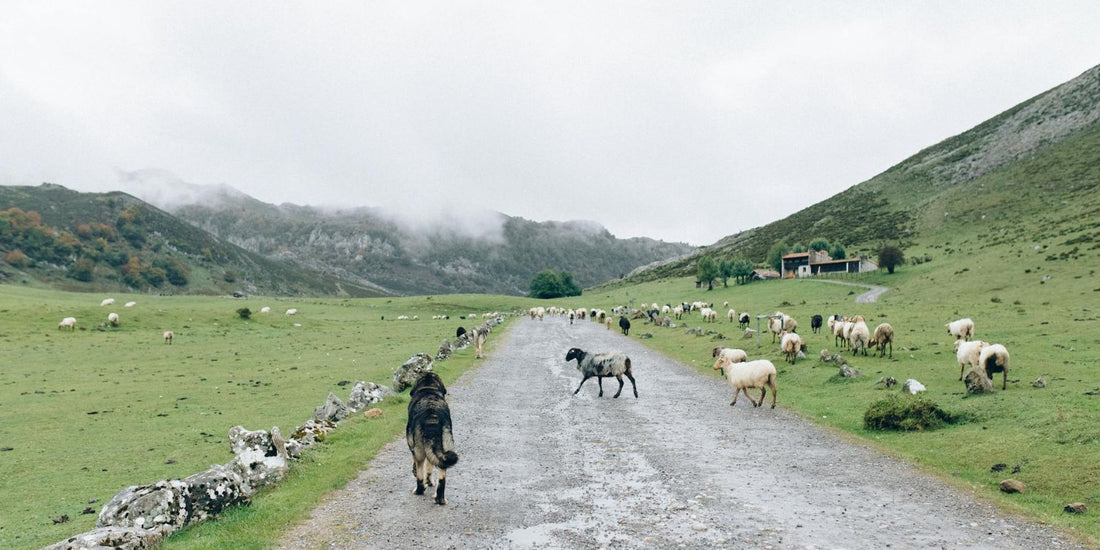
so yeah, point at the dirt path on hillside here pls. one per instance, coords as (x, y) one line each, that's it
(676, 468)
(874, 291)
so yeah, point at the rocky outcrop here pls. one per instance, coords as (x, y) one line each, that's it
(365, 394)
(114, 538)
(161, 504)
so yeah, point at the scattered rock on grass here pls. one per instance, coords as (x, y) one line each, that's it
(1013, 486)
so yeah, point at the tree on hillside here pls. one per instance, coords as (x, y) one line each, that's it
(819, 244)
(890, 257)
(798, 248)
(549, 283)
(741, 269)
(838, 252)
(707, 271)
(725, 271)
(776, 253)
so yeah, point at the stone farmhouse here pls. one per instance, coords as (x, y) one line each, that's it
(808, 264)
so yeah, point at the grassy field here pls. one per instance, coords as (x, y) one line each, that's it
(84, 414)
(107, 409)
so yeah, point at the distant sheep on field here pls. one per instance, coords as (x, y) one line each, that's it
(968, 354)
(107, 302)
(743, 320)
(624, 324)
(112, 319)
(292, 311)
(68, 322)
(859, 337)
(790, 344)
(779, 323)
(733, 355)
(815, 324)
(963, 328)
(994, 359)
(129, 304)
(601, 365)
(265, 309)
(753, 374)
(168, 337)
(883, 336)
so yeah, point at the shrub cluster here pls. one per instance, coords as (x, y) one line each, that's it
(905, 412)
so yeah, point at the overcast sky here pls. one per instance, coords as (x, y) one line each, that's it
(683, 121)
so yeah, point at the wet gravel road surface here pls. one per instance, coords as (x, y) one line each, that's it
(676, 468)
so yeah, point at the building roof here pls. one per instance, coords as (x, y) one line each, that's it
(797, 255)
(767, 273)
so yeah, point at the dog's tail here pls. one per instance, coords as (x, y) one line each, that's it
(447, 459)
(445, 456)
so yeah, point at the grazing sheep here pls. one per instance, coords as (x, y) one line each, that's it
(734, 355)
(168, 337)
(678, 311)
(743, 320)
(292, 311)
(107, 302)
(112, 319)
(129, 304)
(780, 322)
(994, 359)
(601, 365)
(815, 324)
(624, 324)
(859, 337)
(884, 335)
(666, 309)
(839, 338)
(607, 321)
(848, 326)
(753, 374)
(968, 354)
(732, 315)
(963, 328)
(68, 322)
(459, 332)
(265, 309)
(790, 344)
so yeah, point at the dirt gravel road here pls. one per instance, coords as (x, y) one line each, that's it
(676, 468)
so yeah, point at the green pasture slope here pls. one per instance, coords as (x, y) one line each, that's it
(84, 414)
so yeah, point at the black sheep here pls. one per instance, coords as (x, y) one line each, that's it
(624, 324)
(815, 323)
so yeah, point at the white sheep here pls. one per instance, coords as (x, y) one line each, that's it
(107, 302)
(968, 354)
(68, 322)
(265, 309)
(292, 311)
(994, 359)
(962, 328)
(665, 309)
(168, 337)
(753, 374)
(678, 311)
(601, 365)
(732, 315)
(839, 328)
(859, 337)
(129, 304)
(734, 355)
(112, 319)
(790, 344)
(883, 336)
(780, 322)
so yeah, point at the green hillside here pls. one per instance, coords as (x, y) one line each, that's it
(113, 241)
(1016, 169)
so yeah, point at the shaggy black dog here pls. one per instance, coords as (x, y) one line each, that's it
(429, 434)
